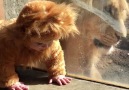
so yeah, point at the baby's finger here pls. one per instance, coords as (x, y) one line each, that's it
(24, 87)
(67, 80)
(11, 88)
(18, 88)
(59, 82)
(63, 81)
(50, 81)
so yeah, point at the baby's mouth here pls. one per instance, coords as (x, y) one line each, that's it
(40, 46)
(45, 46)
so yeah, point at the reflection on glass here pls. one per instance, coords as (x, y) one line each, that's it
(92, 54)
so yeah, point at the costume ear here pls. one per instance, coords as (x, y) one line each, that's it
(29, 18)
(30, 14)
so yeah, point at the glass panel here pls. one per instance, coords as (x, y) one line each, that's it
(90, 55)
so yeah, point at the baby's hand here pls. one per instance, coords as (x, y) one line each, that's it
(61, 80)
(18, 86)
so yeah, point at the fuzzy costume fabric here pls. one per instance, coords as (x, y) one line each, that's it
(39, 21)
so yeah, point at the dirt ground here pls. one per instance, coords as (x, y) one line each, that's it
(115, 67)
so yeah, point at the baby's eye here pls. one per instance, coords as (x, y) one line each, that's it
(47, 32)
(39, 43)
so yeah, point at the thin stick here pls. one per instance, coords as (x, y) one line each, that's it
(99, 81)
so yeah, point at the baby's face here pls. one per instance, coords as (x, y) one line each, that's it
(42, 34)
(46, 31)
(39, 45)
